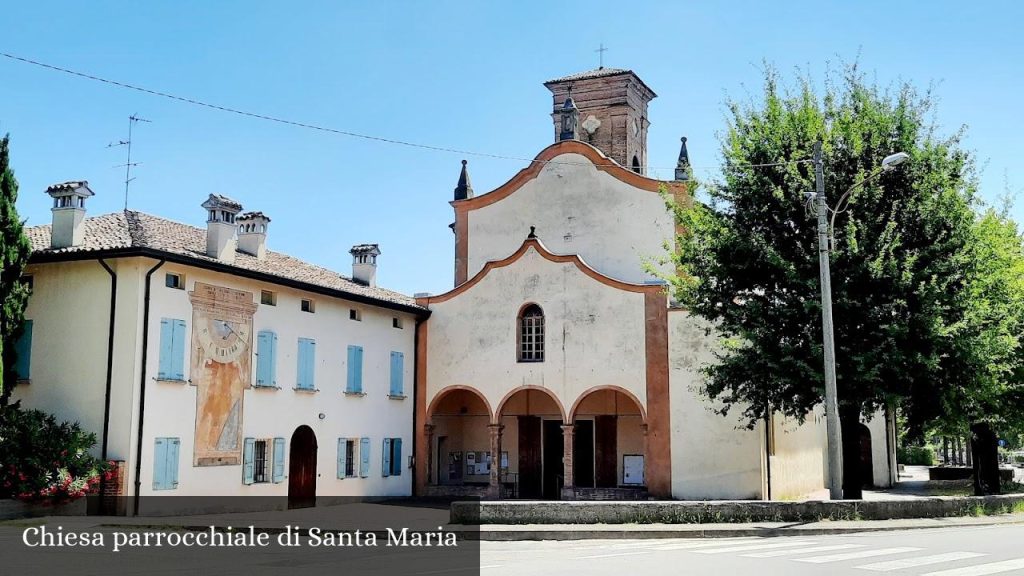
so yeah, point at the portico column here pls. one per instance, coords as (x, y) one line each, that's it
(568, 486)
(647, 458)
(494, 489)
(428, 430)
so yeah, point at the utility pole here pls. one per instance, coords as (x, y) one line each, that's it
(835, 434)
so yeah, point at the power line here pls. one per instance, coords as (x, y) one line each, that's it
(297, 124)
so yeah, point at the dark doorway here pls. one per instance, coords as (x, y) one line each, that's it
(442, 473)
(554, 448)
(529, 457)
(867, 474)
(583, 454)
(606, 441)
(302, 468)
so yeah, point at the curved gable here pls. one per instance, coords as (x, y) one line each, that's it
(548, 155)
(536, 244)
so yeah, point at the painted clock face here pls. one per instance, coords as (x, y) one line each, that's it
(224, 341)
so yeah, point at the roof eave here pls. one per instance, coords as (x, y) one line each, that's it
(80, 255)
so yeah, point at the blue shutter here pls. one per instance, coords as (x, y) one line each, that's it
(178, 350)
(278, 460)
(273, 359)
(386, 460)
(166, 342)
(364, 457)
(397, 373)
(172, 462)
(306, 363)
(248, 461)
(341, 458)
(264, 358)
(160, 464)
(355, 369)
(23, 349)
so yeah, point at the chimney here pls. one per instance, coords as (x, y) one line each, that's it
(68, 227)
(364, 264)
(252, 233)
(220, 227)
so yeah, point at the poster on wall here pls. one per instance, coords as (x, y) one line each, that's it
(221, 365)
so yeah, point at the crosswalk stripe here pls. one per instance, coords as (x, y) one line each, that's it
(703, 544)
(919, 561)
(756, 547)
(856, 555)
(982, 569)
(774, 553)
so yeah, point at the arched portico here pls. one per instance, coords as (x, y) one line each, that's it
(605, 443)
(527, 438)
(456, 433)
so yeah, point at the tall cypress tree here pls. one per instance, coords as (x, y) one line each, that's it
(14, 250)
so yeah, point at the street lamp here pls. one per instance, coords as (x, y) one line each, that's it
(835, 435)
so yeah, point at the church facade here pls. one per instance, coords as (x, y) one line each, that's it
(557, 367)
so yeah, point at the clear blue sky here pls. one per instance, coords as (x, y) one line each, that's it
(457, 74)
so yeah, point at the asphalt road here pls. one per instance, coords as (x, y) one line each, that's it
(941, 552)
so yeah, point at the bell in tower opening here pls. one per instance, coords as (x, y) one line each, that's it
(610, 108)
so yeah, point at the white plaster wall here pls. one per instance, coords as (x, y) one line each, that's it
(594, 334)
(797, 468)
(880, 458)
(69, 308)
(577, 209)
(269, 413)
(712, 457)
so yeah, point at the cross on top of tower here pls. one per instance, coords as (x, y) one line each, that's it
(600, 55)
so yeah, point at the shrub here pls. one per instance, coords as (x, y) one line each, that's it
(916, 455)
(43, 460)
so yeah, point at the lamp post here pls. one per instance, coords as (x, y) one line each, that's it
(835, 435)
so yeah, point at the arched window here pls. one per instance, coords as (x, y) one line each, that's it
(636, 164)
(531, 334)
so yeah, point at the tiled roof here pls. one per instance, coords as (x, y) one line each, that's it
(595, 73)
(131, 229)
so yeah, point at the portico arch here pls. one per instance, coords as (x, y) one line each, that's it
(529, 425)
(456, 430)
(527, 394)
(606, 444)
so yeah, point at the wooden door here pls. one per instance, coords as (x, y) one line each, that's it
(553, 468)
(302, 468)
(529, 457)
(583, 454)
(606, 447)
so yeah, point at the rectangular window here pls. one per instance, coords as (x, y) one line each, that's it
(172, 349)
(263, 460)
(266, 359)
(165, 463)
(354, 384)
(267, 297)
(172, 280)
(306, 364)
(354, 314)
(397, 388)
(23, 352)
(392, 465)
(350, 453)
(260, 462)
(308, 306)
(350, 458)
(396, 323)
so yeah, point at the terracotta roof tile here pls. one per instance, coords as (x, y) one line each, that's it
(131, 229)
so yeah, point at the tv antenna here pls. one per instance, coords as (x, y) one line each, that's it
(128, 163)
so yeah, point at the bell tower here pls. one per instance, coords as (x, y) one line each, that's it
(612, 107)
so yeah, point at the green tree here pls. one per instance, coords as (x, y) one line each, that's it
(984, 388)
(14, 252)
(749, 258)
